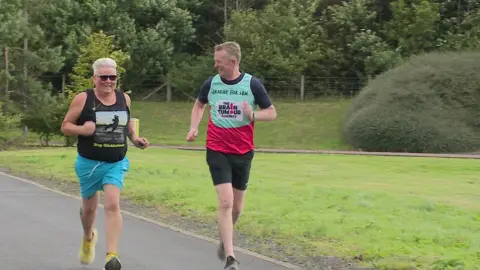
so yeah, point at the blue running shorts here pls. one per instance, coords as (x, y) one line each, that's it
(94, 174)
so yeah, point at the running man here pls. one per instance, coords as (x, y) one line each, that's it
(101, 162)
(232, 96)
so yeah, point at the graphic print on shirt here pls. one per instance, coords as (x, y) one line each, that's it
(226, 102)
(229, 127)
(229, 110)
(110, 128)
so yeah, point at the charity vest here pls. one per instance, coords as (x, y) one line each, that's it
(229, 129)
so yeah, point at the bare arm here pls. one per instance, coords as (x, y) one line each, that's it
(198, 108)
(130, 127)
(69, 126)
(267, 114)
(197, 114)
(141, 143)
(267, 111)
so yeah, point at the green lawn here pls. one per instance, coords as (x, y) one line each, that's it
(396, 212)
(309, 125)
(300, 125)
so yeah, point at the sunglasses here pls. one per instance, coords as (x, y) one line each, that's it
(110, 77)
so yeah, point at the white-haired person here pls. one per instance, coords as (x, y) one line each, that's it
(100, 118)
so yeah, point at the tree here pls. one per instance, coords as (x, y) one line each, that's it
(28, 51)
(162, 29)
(414, 26)
(281, 39)
(463, 35)
(99, 45)
(355, 31)
(45, 113)
(27, 56)
(6, 123)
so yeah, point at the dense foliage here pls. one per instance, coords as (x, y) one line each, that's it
(169, 42)
(428, 104)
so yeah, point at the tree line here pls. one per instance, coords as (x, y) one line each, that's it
(170, 42)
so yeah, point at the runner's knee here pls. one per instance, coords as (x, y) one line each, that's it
(225, 196)
(89, 210)
(237, 208)
(226, 204)
(238, 205)
(111, 206)
(89, 205)
(225, 200)
(112, 198)
(238, 200)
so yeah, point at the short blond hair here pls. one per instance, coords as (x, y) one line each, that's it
(103, 62)
(232, 48)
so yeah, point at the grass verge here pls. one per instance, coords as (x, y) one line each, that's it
(300, 125)
(392, 212)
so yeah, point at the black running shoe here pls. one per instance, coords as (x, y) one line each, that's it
(113, 263)
(231, 264)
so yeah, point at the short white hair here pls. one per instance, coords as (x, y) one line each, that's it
(103, 62)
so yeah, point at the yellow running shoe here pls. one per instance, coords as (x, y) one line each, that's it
(87, 250)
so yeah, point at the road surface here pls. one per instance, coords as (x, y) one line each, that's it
(40, 229)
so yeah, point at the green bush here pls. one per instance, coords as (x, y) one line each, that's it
(44, 114)
(430, 103)
(6, 123)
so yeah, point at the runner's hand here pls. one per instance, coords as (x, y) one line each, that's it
(247, 110)
(141, 143)
(192, 134)
(88, 128)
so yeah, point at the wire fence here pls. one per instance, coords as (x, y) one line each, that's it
(293, 88)
(310, 88)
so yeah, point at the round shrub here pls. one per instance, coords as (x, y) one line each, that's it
(430, 103)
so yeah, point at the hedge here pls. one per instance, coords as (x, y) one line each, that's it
(430, 103)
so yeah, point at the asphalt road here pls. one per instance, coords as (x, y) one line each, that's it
(40, 229)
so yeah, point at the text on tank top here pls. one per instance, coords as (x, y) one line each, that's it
(226, 102)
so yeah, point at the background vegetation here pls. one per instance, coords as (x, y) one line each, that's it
(429, 104)
(302, 49)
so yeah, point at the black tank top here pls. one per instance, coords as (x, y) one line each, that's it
(109, 142)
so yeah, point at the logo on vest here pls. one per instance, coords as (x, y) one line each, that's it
(229, 110)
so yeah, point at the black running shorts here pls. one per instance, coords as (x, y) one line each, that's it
(230, 168)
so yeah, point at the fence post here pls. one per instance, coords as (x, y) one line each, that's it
(63, 84)
(302, 87)
(169, 88)
(169, 92)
